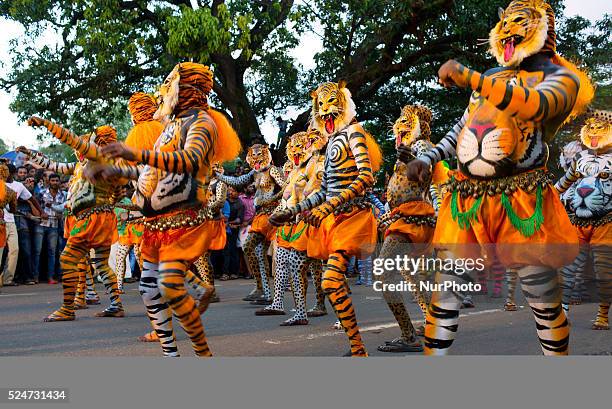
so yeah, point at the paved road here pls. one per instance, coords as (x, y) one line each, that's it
(234, 330)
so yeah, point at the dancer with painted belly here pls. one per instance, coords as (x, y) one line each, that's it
(94, 226)
(172, 193)
(502, 200)
(344, 219)
(292, 260)
(590, 177)
(270, 183)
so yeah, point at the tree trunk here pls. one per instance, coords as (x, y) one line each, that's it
(230, 89)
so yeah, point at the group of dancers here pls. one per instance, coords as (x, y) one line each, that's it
(500, 202)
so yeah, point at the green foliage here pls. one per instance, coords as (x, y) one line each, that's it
(3, 147)
(388, 51)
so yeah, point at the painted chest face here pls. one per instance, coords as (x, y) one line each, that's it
(592, 195)
(493, 143)
(159, 189)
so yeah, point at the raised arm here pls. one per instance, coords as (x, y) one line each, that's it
(552, 98)
(218, 200)
(64, 168)
(571, 175)
(79, 144)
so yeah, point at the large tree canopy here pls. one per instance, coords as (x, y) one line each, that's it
(102, 51)
(388, 51)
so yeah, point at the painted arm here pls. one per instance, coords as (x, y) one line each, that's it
(237, 181)
(365, 178)
(568, 179)
(79, 144)
(552, 98)
(217, 202)
(277, 175)
(64, 168)
(198, 143)
(445, 149)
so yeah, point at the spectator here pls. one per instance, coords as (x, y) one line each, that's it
(11, 227)
(235, 219)
(22, 173)
(248, 200)
(282, 130)
(53, 202)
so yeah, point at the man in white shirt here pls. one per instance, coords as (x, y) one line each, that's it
(12, 241)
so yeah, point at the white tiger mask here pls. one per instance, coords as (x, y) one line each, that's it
(592, 195)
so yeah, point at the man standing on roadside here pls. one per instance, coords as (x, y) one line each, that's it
(53, 201)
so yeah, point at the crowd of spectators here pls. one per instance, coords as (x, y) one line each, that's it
(35, 233)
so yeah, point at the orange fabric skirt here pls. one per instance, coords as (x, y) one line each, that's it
(183, 243)
(414, 232)
(554, 245)
(595, 235)
(296, 236)
(219, 234)
(261, 225)
(68, 223)
(354, 233)
(133, 234)
(96, 230)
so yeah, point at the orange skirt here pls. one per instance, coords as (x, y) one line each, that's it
(414, 232)
(95, 230)
(133, 234)
(68, 223)
(183, 243)
(219, 234)
(354, 233)
(554, 245)
(293, 236)
(595, 235)
(261, 225)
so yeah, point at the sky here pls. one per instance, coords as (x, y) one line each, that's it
(16, 133)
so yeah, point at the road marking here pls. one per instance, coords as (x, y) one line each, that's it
(377, 327)
(17, 295)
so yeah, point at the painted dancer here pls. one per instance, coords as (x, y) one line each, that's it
(409, 226)
(292, 261)
(589, 176)
(94, 225)
(172, 193)
(344, 219)
(501, 200)
(269, 183)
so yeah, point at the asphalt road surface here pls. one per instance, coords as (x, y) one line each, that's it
(233, 329)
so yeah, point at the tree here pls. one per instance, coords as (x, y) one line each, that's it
(3, 147)
(108, 49)
(389, 52)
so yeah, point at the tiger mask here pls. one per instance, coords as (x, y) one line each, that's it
(296, 148)
(333, 108)
(525, 28)
(596, 134)
(217, 167)
(259, 157)
(413, 124)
